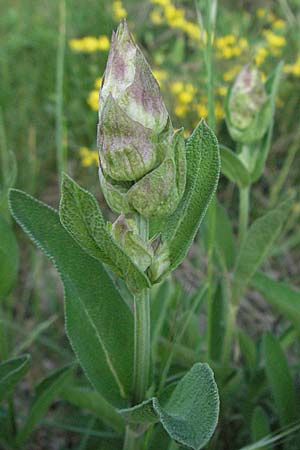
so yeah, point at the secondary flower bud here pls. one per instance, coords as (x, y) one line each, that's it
(248, 108)
(142, 161)
(125, 233)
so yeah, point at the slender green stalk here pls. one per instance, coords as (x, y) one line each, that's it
(142, 344)
(243, 212)
(209, 62)
(59, 138)
(210, 269)
(211, 10)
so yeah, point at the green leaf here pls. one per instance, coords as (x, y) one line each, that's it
(11, 372)
(46, 392)
(9, 258)
(81, 216)
(203, 167)
(248, 349)
(233, 168)
(224, 244)
(262, 150)
(256, 246)
(98, 322)
(85, 398)
(284, 298)
(260, 427)
(217, 329)
(190, 415)
(280, 379)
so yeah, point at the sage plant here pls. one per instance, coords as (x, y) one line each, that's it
(160, 185)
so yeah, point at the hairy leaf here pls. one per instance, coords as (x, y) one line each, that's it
(203, 167)
(256, 246)
(98, 322)
(9, 258)
(190, 415)
(11, 372)
(81, 216)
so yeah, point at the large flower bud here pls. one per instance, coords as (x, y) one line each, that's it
(248, 109)
(142, 161)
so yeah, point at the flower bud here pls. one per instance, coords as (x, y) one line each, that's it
(131, 112)
(125, 233)
(142, 161)
(248, 109)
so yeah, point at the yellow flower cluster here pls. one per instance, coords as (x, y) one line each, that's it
(270, 17)
(260, 55)
(166, 12)
(229, 46)
(93, 98)
(184, 94)
(274, 41)
(90, 44)
(293, 69)
(88, 157)
(118, 10)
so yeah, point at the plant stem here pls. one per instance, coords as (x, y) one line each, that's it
(59, 132)
(243, 212)
(130, 439)
(142, 347)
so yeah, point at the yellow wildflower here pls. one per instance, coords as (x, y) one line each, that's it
(260, 55)
(90, 44)
(192, 30)
(180, 110)
(261, 13)
(201, 109)
(176, 87)
(222, 90)
(87, 44)
(118, 10)
(98, 82)
(185, 97)
(279, 23)
(156, 16)
(161, 2)
(93, 99)
(274, 40)
(103, 43)
(186, 133)
(88, 157)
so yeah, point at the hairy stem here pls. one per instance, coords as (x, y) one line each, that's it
(243, 212)
(142, 350)
(130, 439)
